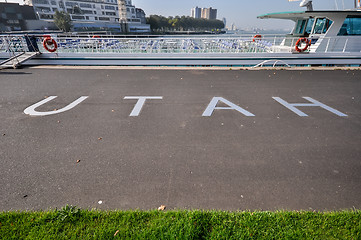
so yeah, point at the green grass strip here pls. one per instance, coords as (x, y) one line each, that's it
(73, 223)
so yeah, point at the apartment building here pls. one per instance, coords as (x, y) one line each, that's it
(196, 12)
(90, 14)
(83, 10)
(207, 13)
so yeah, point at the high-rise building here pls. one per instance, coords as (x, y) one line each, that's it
(207, 13)
(196, 12)
(212, 13)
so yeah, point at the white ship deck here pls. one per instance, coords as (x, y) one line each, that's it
(186, 51)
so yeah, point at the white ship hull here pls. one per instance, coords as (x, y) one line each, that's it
(206, 59)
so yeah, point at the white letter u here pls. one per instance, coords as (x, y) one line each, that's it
(31, 110)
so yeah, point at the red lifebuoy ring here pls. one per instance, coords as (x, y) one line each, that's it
(257, 37)
(299, 42)
(95, 36)
(49, 44)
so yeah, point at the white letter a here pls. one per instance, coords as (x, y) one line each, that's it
(212, 105)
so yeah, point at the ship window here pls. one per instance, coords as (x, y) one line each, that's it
(351, 26)
(328, 24)
(320, 22)
(300, 26)
(309, 25)
(322, 25)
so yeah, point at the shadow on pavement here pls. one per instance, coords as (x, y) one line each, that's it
(13, 73)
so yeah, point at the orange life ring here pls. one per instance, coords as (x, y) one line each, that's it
(257, 37)
(49, 44)
(95, 36)
(299, 42)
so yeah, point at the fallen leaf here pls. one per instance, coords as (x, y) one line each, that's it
(115, 234)
(161, 208)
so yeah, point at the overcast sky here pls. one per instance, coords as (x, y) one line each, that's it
(241, 12)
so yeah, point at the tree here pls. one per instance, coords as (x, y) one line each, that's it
(184, 23)
(63, 21)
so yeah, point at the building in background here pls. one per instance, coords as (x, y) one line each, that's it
(13, 16)
(83, 10)
(212, 13)
(206, 13)
(94, 15)
(132, 19)
(86, 15)
(196, 12)
(233, 27)
(224, 20)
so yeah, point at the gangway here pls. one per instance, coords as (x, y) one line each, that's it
(17, 60)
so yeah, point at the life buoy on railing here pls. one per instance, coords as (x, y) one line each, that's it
(95, 36)
(257, 37)
(299, 42)
(50, 44)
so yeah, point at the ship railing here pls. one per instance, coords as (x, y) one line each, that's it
(158, 45)
(12, 44)
(183, 44)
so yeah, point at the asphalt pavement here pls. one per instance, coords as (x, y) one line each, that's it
(187, 139)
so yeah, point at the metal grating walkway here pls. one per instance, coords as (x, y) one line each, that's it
(18, 59)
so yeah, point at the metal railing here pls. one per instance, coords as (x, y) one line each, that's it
(12, 44)
(181, 44)
(161, 45)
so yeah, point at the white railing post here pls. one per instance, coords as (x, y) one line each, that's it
(328, 43)
(344, 48)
